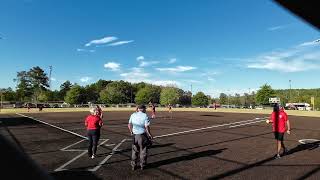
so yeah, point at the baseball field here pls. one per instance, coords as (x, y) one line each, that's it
(189, 144)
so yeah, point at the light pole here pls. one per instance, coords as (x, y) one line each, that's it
(228, 99)
(1, 101)
(290, 89)
(131, 94)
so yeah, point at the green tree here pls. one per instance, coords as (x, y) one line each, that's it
(101, 85)
(75, 95)
(44, 96)
(24, 88)
(39, 81)
(117, 92)
(237, 100)
(31, 83)
(8, 94)
(200, 99)
(223, 98)
(264, 93)
(64, 88)
(185, 97)
(38, 78)
(148, 94)
(91, 93)
(169, 95)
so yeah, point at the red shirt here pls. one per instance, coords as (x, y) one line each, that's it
(93, 122)
(279, 125)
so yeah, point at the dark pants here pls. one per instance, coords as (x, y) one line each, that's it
(278, 136)
(93, 137)
(139, 149)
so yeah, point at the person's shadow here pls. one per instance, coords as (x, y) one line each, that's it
(185, 158)
(78, 175)
(302, 147)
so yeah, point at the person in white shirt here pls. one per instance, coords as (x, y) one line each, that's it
(139, 127)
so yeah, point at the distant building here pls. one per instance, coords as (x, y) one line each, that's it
(299, 106)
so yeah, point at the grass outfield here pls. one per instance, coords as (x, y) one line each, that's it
(255, 111)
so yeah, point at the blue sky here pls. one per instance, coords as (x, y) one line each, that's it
(217, 46)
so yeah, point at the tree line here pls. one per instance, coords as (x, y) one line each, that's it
(33, 86)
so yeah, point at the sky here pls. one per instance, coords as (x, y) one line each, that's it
(210, 46)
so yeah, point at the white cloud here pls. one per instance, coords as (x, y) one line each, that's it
(101, 41)
(85, 50)
(156, 82)
(310, 43)
(113, 66)
(53, 79)
(303, 57)
(164, 83)
(120, 43)
(85, 79)
(211, 79)
(172, 60)
(192, 81)
(275, 28)
(177, 69)
(136, 73)
(145, 63)
(139, 58)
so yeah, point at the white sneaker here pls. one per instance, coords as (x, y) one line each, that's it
(93, 156)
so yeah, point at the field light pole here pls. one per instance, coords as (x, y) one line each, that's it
(228, 99)
(1, 101)
(290, 90)
(131, 94)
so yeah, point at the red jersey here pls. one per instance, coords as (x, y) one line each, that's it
(93, 122)
(279, 125)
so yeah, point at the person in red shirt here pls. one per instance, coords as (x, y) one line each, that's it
(93, 124)
(279, 120)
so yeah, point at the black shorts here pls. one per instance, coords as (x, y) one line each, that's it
(278, 136)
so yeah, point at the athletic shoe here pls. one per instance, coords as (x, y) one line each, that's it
(277, 156)
(93, 156)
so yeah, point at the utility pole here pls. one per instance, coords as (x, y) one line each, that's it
(131, 94)
(50, 70)
(228, 99)
(290, 89)
(191, 89)
(1, 100)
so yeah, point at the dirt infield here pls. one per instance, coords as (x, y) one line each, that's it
(190, 145)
